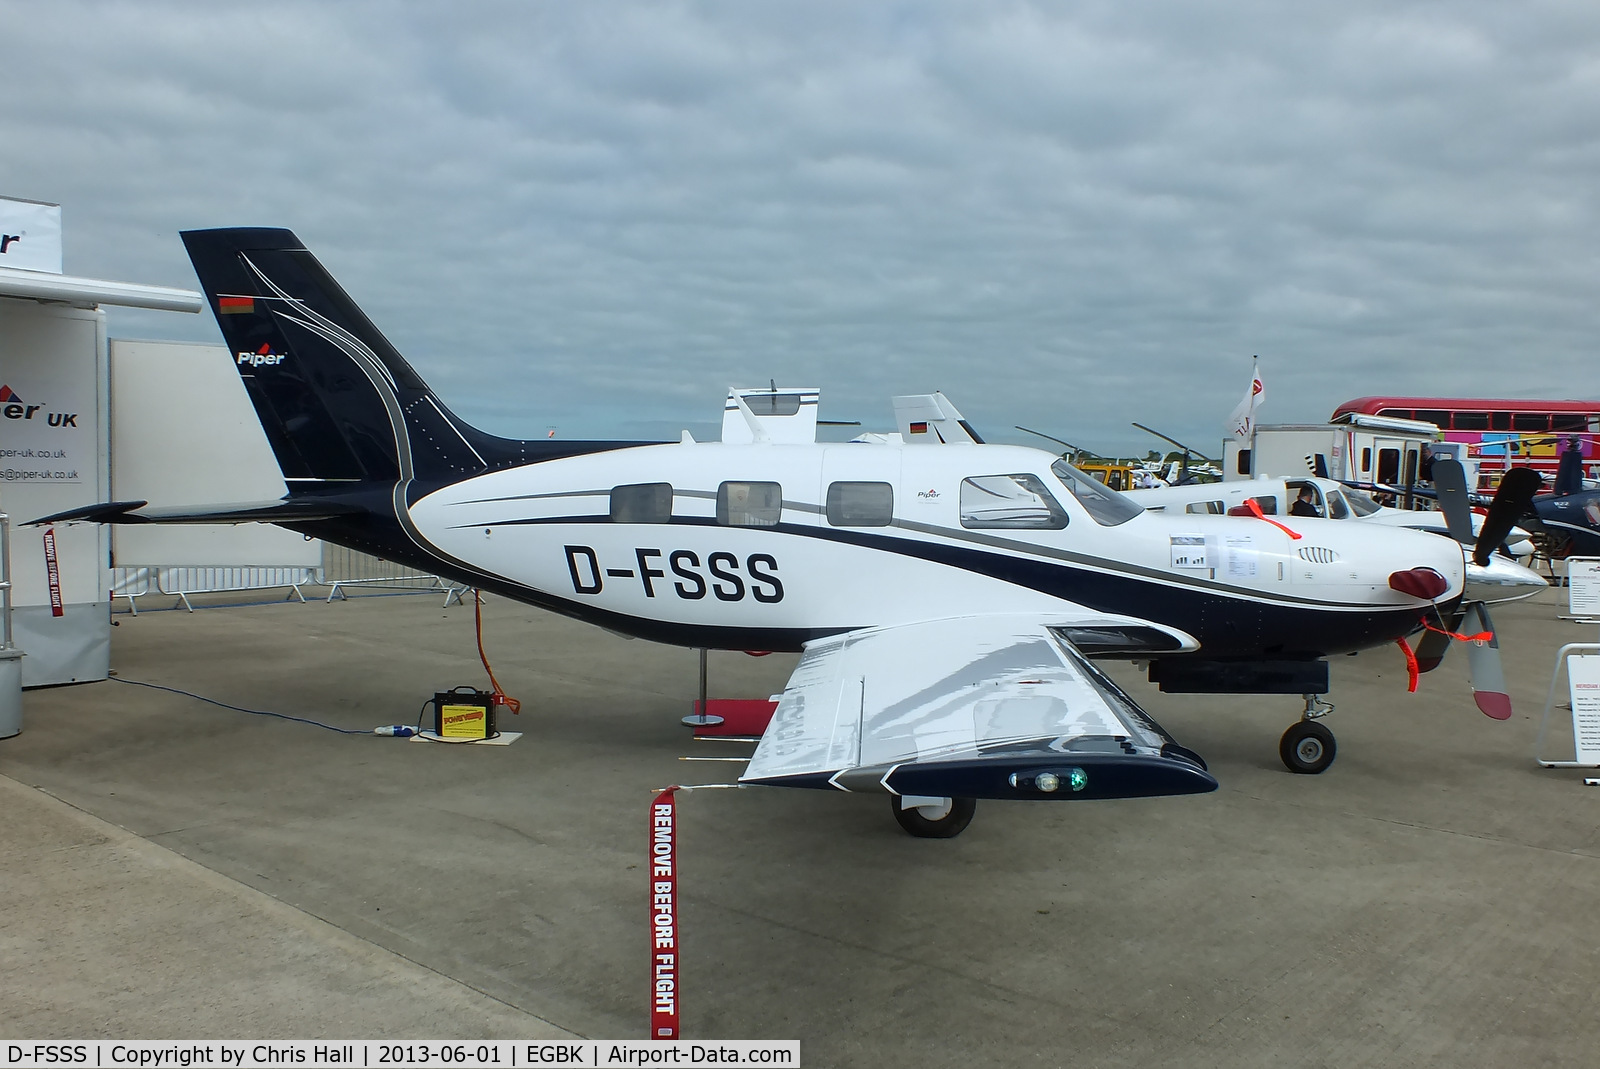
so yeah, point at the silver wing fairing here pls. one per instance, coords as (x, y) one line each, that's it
(972, 707)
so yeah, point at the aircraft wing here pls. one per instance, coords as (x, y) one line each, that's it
(970, 707)
(281, 511)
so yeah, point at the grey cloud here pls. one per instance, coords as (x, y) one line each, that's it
(598, 216)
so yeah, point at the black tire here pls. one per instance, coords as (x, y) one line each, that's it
(950, 825)
(1307, 748)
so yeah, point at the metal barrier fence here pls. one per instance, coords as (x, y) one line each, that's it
(131, 583)
(181, 582)
(340, 568)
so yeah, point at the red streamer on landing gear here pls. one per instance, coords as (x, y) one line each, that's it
(1411, 663)
(664, 950)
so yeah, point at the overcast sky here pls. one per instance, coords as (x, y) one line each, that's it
(598, 216)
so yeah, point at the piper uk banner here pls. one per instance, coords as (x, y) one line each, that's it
(46, 425)
(30, 235)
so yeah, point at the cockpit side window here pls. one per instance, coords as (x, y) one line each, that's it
(1337, 507)
(1361, 502)
(741, 504)
(641, 503)
(1107, 507)
(1009, 501)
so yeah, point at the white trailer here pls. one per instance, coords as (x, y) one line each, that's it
(1355, 448)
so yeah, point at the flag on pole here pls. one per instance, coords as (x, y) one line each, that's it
(1242, 423)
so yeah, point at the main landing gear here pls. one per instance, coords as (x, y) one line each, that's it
(933, 818)
(1308, 747)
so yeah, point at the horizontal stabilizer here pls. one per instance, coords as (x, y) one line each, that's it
(291, 511)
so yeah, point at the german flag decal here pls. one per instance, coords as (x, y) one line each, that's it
(235, 305)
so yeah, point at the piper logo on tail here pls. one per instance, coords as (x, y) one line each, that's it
(262, 356)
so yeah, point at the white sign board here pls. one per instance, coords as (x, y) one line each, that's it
(30, 235)
(1239, 557)
(1189, 551)
(1583, 586)
(1583, 676)
(47, 413)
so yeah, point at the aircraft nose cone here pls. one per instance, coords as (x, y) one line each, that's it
(1502, 579)
(1424, 583)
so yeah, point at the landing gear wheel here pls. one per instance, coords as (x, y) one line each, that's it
(1307, 747)
(930, 822)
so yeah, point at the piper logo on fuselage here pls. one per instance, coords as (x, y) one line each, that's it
(723, 577)
(262, 356)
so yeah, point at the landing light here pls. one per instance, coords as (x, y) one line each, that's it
(1050, 782)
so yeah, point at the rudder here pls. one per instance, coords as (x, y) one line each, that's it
(337, 401)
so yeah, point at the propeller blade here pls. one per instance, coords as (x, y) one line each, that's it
(1511, 501)
(1450, 481)
(1433, 647)
(1052, 438)
(1483, 665)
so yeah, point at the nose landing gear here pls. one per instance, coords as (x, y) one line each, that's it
(1307, 747)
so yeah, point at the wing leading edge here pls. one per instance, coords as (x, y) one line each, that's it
(972, 707)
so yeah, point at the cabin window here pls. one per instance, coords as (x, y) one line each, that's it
(642, 503)
(1242, 467)
(749, 504)
(1388, 466)
(1009, 501)
(1213, 508)
(1269, 505)
(1103, 503)
(1530, 421)
(860, 504)
(773, 404)
(1499, 421)
(1472, 421)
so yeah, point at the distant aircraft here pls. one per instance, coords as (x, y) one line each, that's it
(949, 601)
(1569, 524)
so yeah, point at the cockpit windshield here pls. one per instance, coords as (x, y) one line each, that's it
(1107, 507)
(1361, 502)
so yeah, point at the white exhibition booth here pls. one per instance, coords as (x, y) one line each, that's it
(84, 420)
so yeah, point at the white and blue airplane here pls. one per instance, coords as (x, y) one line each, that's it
(950, 603)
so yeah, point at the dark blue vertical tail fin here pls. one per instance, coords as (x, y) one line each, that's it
(338, 403)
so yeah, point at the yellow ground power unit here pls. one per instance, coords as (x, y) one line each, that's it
(464, 713)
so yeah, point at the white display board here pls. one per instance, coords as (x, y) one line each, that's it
(30, 235)
(52, 458)
(1583, 680)
(1583, 586)
(183, 432)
